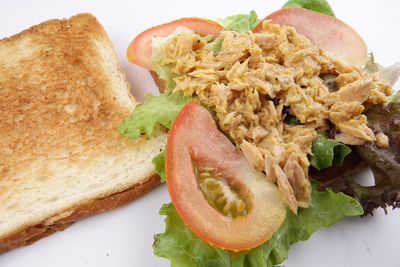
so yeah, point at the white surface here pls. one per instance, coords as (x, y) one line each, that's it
(123, 237)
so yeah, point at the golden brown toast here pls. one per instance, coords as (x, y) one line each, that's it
(62, 97)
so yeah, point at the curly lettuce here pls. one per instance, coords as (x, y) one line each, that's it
(384, 162)
(157, 110)
(183, 248)
(240, 22)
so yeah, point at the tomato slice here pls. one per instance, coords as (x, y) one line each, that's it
(139, 50)
(329, 33)
(194, 142)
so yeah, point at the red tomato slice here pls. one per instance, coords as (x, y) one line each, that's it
(195, 142)
(329, 33)
(139, 50)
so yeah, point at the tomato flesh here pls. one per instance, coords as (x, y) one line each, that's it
(139, 50)
(194, 141)
(327, 32)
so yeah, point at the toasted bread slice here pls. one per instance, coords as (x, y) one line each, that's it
(62, 98)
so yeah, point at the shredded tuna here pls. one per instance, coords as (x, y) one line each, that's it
(257, 79)
(382, 140)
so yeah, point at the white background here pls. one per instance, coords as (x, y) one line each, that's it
(124, 237)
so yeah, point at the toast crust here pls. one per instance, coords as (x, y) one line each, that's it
(62, 220)
(158, 81)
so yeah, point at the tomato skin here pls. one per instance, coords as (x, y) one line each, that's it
(139, 50)
(194, 137)
(327, 32)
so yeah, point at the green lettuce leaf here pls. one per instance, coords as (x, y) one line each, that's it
(157, 110)
(326, 152)
(183, 248)
(159, 165)
(321, 6)
(240, 22)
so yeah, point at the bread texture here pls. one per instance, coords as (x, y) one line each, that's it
(62, 97)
